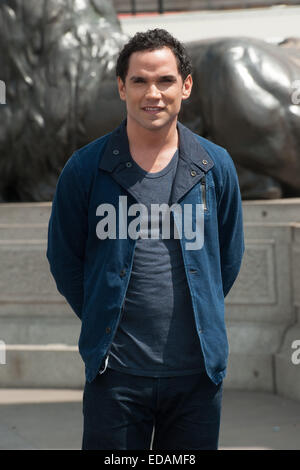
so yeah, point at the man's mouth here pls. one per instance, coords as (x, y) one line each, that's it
(152, 109)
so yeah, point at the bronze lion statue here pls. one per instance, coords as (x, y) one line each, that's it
(57, 59)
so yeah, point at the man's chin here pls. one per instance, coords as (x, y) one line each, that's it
(156, 124)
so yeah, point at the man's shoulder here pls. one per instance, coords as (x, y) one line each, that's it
(90, 154)
(223, 161)
(211, 146)
(81, 167)
(219, 154)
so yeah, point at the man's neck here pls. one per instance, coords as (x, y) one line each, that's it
(152, 150)
(142, 139)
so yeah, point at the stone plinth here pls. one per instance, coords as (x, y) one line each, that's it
(262, 310)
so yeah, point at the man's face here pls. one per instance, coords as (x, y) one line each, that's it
(154, 89)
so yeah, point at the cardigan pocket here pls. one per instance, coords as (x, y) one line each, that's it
(204, 193)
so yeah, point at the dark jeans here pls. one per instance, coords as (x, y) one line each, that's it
(120, 411)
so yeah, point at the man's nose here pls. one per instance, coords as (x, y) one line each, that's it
(153, 91)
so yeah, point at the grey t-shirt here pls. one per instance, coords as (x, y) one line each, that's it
(156, 335)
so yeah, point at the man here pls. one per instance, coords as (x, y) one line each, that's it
(151, 301)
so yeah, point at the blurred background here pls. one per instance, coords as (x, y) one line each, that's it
(41, 371)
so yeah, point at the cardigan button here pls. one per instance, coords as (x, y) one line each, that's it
(123, 272)
(108, 330)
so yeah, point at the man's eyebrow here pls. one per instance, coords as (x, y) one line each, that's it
(162, 77)
(136, 77)
(170, 77)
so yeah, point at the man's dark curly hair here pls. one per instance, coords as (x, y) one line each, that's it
(151, 40)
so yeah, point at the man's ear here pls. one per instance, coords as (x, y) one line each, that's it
(187, 87)
(121, 88)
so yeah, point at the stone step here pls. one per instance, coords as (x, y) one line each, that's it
(287, 364)
(275, 210)
(40, 329)
(39, 364)
(250, 372)
(60, 366)
(25, 213)
(42, 366)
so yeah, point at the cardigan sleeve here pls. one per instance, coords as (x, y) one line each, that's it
(67, 234)
(230, 226)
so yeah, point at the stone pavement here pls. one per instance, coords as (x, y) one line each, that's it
(271, 23)
(52, 419)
